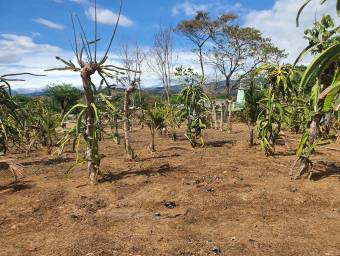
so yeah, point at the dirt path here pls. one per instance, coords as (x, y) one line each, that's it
(224, 199)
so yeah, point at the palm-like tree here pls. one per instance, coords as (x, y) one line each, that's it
(253, 95)
(194, 104)
(154, 118)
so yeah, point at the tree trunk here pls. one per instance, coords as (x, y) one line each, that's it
(229, 121)
(251, 136)
(227, 86)
(90, 134)
(167, 94)
(314, 131)
(306, 164)
(222, 116)
(116, 134)
(131, 124)
(201, 61)
(130, 155)
(174, 136)
(63, 112)
(151, 147)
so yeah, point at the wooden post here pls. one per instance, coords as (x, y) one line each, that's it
(128, 149)
(229, 108)
(222, 115)
(215, 116)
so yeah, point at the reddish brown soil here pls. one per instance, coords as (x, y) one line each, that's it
(226, 196)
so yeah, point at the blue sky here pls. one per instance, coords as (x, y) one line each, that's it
(145, 16)
(32, 32)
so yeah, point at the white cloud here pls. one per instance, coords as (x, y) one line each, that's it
(188, 8)
(35, 34)
(13, 48)
(49, 23)
(74, 1)
(215, 8)
(278, 23)
(80, 1)
(106, 16)
(21, 54)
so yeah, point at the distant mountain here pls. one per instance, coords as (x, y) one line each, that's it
(33, 92)
(216, 88)
(160, 89)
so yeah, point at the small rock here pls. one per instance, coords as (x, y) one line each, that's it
(35, 209)
(74, 217)
(293, 189)
(170, 204)
(157, 214)
(210, 189)
(216, 249)
(233, 238)
(14, 227)
(248, 189)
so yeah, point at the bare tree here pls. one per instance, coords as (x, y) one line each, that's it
(139, 59)
(127, 60)
(162, 62)
(132, 58)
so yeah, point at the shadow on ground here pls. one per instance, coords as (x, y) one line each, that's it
(326, 170)
(16, 186)
(219, 143)
(161, 170)
(50, 161)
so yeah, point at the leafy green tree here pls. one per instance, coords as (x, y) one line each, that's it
(238, 51)
(64, 96)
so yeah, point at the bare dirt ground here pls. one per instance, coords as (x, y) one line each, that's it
(224, 199)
